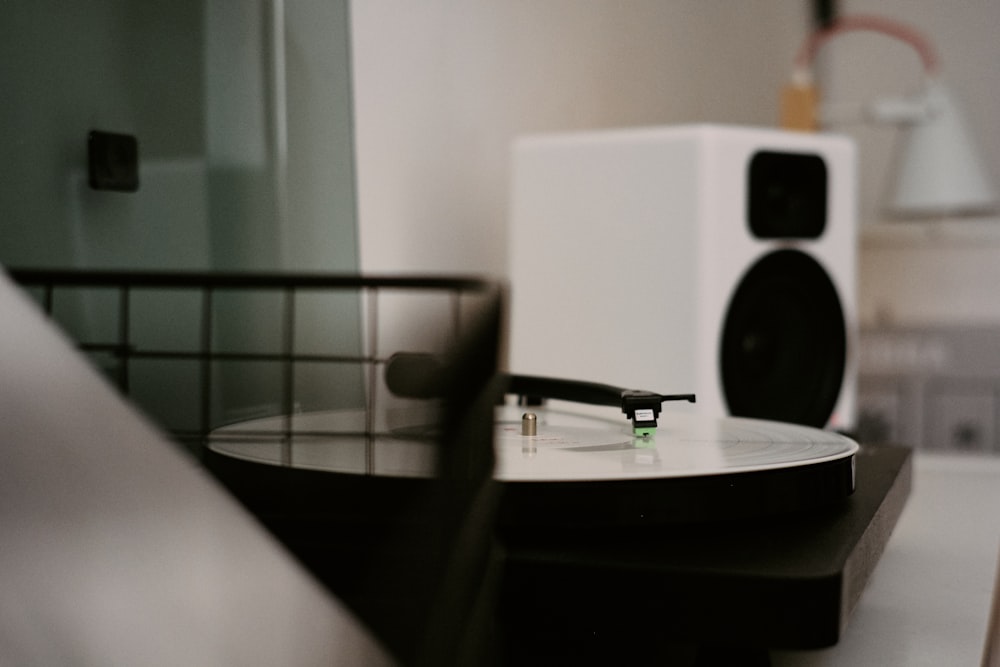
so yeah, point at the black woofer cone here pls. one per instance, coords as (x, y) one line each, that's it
(784, 346)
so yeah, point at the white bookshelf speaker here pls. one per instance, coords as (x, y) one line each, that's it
(712, 259)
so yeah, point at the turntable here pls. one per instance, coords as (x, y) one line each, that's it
(591, 471)
(713, 540)
(571, 467)
(766, 543)
(620, 542)
(708, 532)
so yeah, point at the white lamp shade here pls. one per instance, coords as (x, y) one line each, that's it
(939, 171)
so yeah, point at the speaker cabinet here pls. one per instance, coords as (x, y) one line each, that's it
(718, 260)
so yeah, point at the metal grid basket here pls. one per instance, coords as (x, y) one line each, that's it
(290, 371)
(227, 358)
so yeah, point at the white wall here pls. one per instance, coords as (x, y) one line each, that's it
(198, 82)
(861, 66)
(931, 272)
(68, 68)
(242, 111)
(443, 86)
(279, 135)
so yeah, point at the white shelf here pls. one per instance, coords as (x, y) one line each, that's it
(937, 232)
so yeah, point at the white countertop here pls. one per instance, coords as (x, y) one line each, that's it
(928, 600)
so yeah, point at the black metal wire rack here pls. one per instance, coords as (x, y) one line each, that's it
(262, 369)
(200, 351)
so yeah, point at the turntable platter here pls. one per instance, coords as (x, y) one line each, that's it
(581, 470)
(584, 472)
(568, 446)
(573, 447)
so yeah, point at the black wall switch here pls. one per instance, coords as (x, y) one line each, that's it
(113, 161)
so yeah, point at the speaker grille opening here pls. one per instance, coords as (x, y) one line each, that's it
(784, 344)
